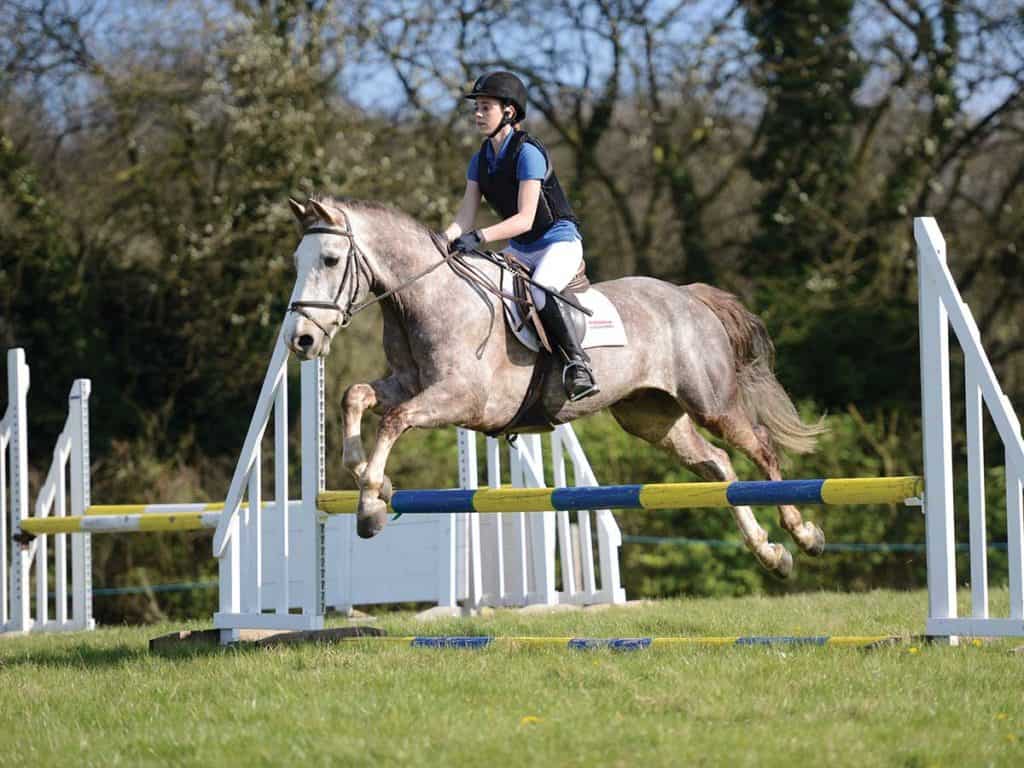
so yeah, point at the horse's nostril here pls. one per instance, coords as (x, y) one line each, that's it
(305, 341)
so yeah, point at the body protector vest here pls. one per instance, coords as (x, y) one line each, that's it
(500, 188)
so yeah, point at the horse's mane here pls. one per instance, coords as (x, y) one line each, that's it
(372, 206)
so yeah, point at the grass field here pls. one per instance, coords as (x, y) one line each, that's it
(103, 699)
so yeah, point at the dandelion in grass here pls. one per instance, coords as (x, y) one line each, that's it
(530, 720)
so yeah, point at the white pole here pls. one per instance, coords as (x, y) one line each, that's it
(1015, 533)
(517, 566)
(468, 478)
(41, 547)
(229, 577)
(935, 401)
(18, 383)
(583, 476)
(541, 526)
(60, 540)
(4, 533)
(313, 470)
(252, 552)
(494, 481)
(565, 529)
(976, 492)
(81, 544)
(281, 519)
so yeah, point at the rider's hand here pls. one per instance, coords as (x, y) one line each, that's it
(466, 242)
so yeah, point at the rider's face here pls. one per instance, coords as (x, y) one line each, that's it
(488, 114)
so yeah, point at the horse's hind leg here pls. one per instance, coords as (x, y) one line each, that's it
(735, 428)
(661, 422)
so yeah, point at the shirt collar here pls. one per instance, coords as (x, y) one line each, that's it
(501, 151)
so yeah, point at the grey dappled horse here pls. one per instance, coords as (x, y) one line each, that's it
(696, 357)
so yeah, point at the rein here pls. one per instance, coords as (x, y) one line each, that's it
(357, 265)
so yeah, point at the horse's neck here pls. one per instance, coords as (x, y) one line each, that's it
(401, 266)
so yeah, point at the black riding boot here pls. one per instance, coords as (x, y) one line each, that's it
(577, 377)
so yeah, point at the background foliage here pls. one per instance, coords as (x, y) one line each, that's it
(776, 150)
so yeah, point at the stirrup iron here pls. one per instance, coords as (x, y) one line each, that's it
(570, 384)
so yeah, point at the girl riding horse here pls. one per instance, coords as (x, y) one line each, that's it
(513, 172)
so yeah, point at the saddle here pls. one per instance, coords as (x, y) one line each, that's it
(531, 415)
(524, 297)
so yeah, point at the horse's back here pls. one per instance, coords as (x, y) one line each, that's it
(656, 310)
(675, 341)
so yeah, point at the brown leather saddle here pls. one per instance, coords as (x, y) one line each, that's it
(532, 416)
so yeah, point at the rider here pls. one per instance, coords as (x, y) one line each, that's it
(513, 173)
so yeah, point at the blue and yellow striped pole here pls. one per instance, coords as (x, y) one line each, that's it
(626, 643)
(128, 518)
(873, 490)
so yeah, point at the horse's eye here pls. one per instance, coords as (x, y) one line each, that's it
(331, 261)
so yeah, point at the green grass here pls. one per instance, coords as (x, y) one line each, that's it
(102, 699)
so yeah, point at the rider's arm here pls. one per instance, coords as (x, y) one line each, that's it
(531, 169)
(529, 195)
(467, 211)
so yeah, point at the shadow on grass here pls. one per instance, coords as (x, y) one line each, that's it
(73, 657)
(182, 646)
(85, 657)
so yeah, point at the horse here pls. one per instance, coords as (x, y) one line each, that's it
(696, 358)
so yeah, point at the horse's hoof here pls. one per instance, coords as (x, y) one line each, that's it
(814, 540)
(371, 518)
(776, 559)
(784, 566)
(386, 490)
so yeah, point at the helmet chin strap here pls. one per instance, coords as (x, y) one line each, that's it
(506, 119)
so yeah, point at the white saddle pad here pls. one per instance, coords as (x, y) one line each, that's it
(604, 327)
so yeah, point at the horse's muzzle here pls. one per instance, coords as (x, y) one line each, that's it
(306, 340)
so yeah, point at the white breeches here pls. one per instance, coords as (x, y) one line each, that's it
(553, 267)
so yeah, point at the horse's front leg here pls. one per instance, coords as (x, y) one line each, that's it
(384, 394)
(433, 407)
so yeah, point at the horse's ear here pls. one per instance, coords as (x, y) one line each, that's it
(322, 213)
(297, 208)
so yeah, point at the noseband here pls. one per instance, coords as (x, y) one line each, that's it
(355, 266)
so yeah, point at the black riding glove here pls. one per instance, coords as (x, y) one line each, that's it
(466, 242)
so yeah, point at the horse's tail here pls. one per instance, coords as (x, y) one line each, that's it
(761, 396)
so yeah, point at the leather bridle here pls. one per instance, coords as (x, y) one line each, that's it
(356, 267)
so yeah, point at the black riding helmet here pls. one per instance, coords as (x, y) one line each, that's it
(505, 87)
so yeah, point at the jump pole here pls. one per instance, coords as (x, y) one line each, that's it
(480, 642)
(849, 491)
(186, 517)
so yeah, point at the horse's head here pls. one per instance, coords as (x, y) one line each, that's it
(333, 276)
